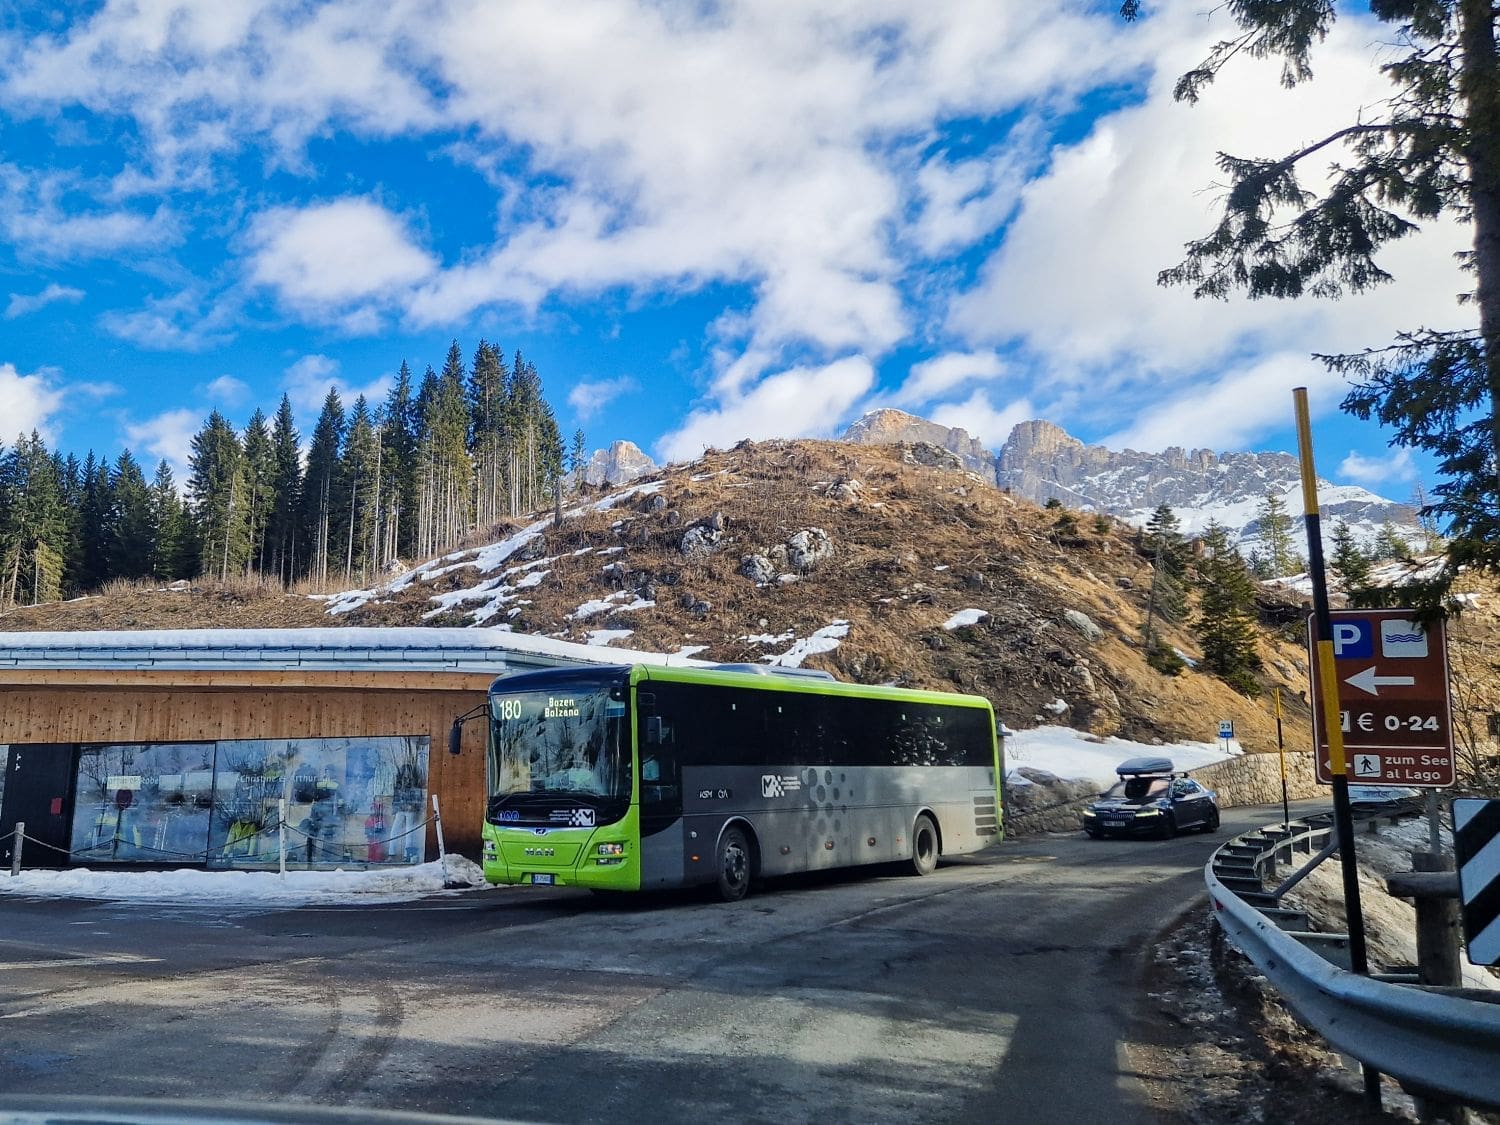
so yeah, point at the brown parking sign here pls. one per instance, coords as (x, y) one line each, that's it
(1394, 708)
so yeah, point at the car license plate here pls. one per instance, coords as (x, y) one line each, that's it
(542, 880)
(1114, 821)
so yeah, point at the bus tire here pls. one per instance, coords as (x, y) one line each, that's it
(924, 846)
(734, 865)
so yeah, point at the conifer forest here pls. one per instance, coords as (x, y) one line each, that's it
(458, 450)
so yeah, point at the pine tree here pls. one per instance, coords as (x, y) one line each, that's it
(1274, 527)
(129, 531)
(319, 486)
(357, 494)
(1163, 544)
(33, 528)
(1348, 561)
(282, 529)
(1389, 544)
(169, 553)
(1225, 624)
(398, 455)
(1432, 151)
(85, 566)
(486, 393)
(260, 488)
(578, 457)
(217, 495)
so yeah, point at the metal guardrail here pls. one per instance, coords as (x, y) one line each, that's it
(1431, 1041)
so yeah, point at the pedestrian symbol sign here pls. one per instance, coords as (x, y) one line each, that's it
(1367, 765)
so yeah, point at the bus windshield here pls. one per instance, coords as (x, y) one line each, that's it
(567, 741)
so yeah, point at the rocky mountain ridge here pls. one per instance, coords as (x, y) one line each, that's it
(1041, 461)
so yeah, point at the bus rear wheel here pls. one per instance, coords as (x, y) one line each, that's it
(734, 865)
(924, 846)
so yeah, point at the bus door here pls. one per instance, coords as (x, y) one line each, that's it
(663, 855)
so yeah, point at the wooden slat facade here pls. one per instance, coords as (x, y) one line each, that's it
(85, 706)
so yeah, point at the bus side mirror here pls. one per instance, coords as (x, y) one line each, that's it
(455, 737)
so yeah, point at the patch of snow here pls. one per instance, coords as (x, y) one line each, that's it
(825, 639)
(943, 567)
(690, 650)
(770, 638)
(1057, 706)
(1075, 754)
(601, 637)
(1185, 658)
(249, 888)
(965, 617)
(610, 601)
(532, 579)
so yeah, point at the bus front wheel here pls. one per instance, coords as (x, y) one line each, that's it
(924, 846)
(734, 865)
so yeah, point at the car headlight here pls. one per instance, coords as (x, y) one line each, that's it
(1148, 812)
(1089, 812)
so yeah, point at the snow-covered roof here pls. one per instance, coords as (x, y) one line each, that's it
(492, 651)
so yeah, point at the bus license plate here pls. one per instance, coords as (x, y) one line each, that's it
(541, 880)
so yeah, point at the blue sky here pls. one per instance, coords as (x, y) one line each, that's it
(702, 221)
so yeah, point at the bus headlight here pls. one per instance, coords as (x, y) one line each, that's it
(611, 849)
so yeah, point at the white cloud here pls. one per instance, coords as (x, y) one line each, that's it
(336, 258)
(27, 402)
(1074, 282)
(933, 378)
(177, 322)
(308, 381)
(226, 390)
(1227, 412)
(166, 437)
(801, 402)
(52, 215)
(587, 399)
(1372, 472)
(22, 304)
(979, 416)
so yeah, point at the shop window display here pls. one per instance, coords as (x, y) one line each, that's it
(143, 803)
(348, 800)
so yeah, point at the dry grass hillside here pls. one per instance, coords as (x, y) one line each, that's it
(913, 544)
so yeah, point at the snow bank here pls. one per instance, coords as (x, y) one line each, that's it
(1077, 755)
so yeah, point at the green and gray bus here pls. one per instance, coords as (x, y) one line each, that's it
(623, 778)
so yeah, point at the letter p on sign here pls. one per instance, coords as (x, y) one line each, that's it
(1352, 640)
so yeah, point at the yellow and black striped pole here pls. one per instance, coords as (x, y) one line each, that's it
(1286, 807)
(1332, 724)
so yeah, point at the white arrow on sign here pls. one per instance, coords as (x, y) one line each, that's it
(1368, 681)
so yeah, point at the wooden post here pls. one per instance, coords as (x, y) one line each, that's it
(281, 835)
(15, 855)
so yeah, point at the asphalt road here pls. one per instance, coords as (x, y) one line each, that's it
(1001, 988)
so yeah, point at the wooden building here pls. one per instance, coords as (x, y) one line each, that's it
(158, 747)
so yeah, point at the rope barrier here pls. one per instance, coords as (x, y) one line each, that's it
(221, 852)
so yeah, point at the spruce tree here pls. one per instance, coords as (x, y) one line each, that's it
(286, 495)
(169, 544)
(1225, 624)
(1274, 528)
(129, 530)
(319, 487)
(1348, 561)
(33, 527)
(217, 495)
(356, 495)
(260, 488)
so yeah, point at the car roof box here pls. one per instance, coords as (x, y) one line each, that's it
(1135, 767)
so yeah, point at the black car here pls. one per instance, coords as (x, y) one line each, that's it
(1150, 799)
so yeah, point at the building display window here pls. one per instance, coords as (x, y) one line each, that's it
(348, 801)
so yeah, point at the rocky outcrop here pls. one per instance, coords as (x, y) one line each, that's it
(622, 461)
(1041, 462)
(894, 427)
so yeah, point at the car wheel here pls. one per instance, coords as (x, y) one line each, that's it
(733, 865)
(924, 846)
(1212, 823)
(1168, 827)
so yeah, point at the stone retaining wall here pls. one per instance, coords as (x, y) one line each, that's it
(1255, 779)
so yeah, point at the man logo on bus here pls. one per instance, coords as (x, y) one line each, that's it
(770, 785)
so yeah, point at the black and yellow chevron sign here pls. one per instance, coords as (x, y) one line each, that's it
(1476, 844)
